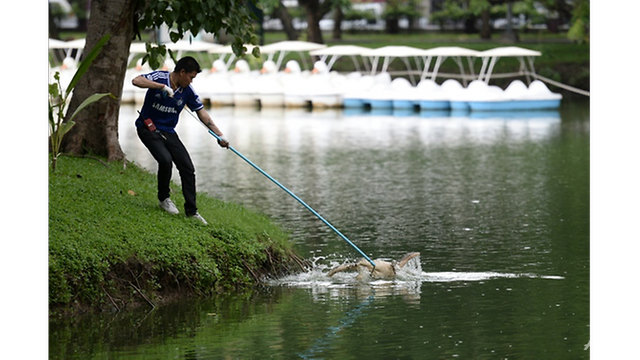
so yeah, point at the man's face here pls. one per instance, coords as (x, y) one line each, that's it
(186, 78)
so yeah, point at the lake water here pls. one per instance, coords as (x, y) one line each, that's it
(497, 205)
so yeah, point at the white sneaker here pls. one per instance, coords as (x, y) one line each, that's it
(168, 206)
(200, 218)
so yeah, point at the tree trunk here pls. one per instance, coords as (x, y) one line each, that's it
(53, 29)
(282, 13)
(470, 25)
(96, 129)
(485, 30)
(510, 35)
(392, 26)
(314, 15)
(337, 23)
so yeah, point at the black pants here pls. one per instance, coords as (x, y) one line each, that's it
(167, 149)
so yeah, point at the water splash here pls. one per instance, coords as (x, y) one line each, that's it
(409, 275)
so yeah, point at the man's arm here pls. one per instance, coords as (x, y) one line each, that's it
(204, 116)
(144, 83)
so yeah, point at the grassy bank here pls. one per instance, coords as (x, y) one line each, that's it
(111, 246)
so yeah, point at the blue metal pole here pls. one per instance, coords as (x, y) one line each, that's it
(297, 198)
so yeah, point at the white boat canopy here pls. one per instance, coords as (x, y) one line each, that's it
(137, 48)
(179, 47)
(491, 56)
(294, 45)
(76, 44)
(57, 44)
(69, 46)
(281, 48)
(442, 53)
(223, 51)
(510, 51)
(393, 51)
(199, 47)
(342, 50)
(451, 51)
(388, 53)
(338, 51)
(195, 45)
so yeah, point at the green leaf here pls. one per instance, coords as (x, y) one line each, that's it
(53, 90)
(154, 62)
(237, 48)
(88, 101)
(52, 122)
(155, 54)
(64, 128)
(84, 66)
(172, 55)
(212, 16)
(175, 37)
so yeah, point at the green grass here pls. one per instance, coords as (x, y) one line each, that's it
(109, 241)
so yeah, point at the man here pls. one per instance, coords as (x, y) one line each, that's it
(383, 269)
(166, 96)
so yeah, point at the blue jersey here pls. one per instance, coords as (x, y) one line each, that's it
(163, 110)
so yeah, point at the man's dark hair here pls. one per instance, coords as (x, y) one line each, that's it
(188, 64)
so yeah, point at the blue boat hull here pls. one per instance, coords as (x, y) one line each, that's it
(353, 103)
(403, 104)
(434, 105)
(459, 105)
(514, 105)
(381, 104)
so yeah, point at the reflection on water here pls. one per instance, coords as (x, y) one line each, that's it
(496, 203)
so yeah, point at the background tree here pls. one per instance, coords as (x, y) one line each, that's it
(579, 30)
(96, 129)
(485, 12)
(395, 10)
(277, 10)
(313, 11)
